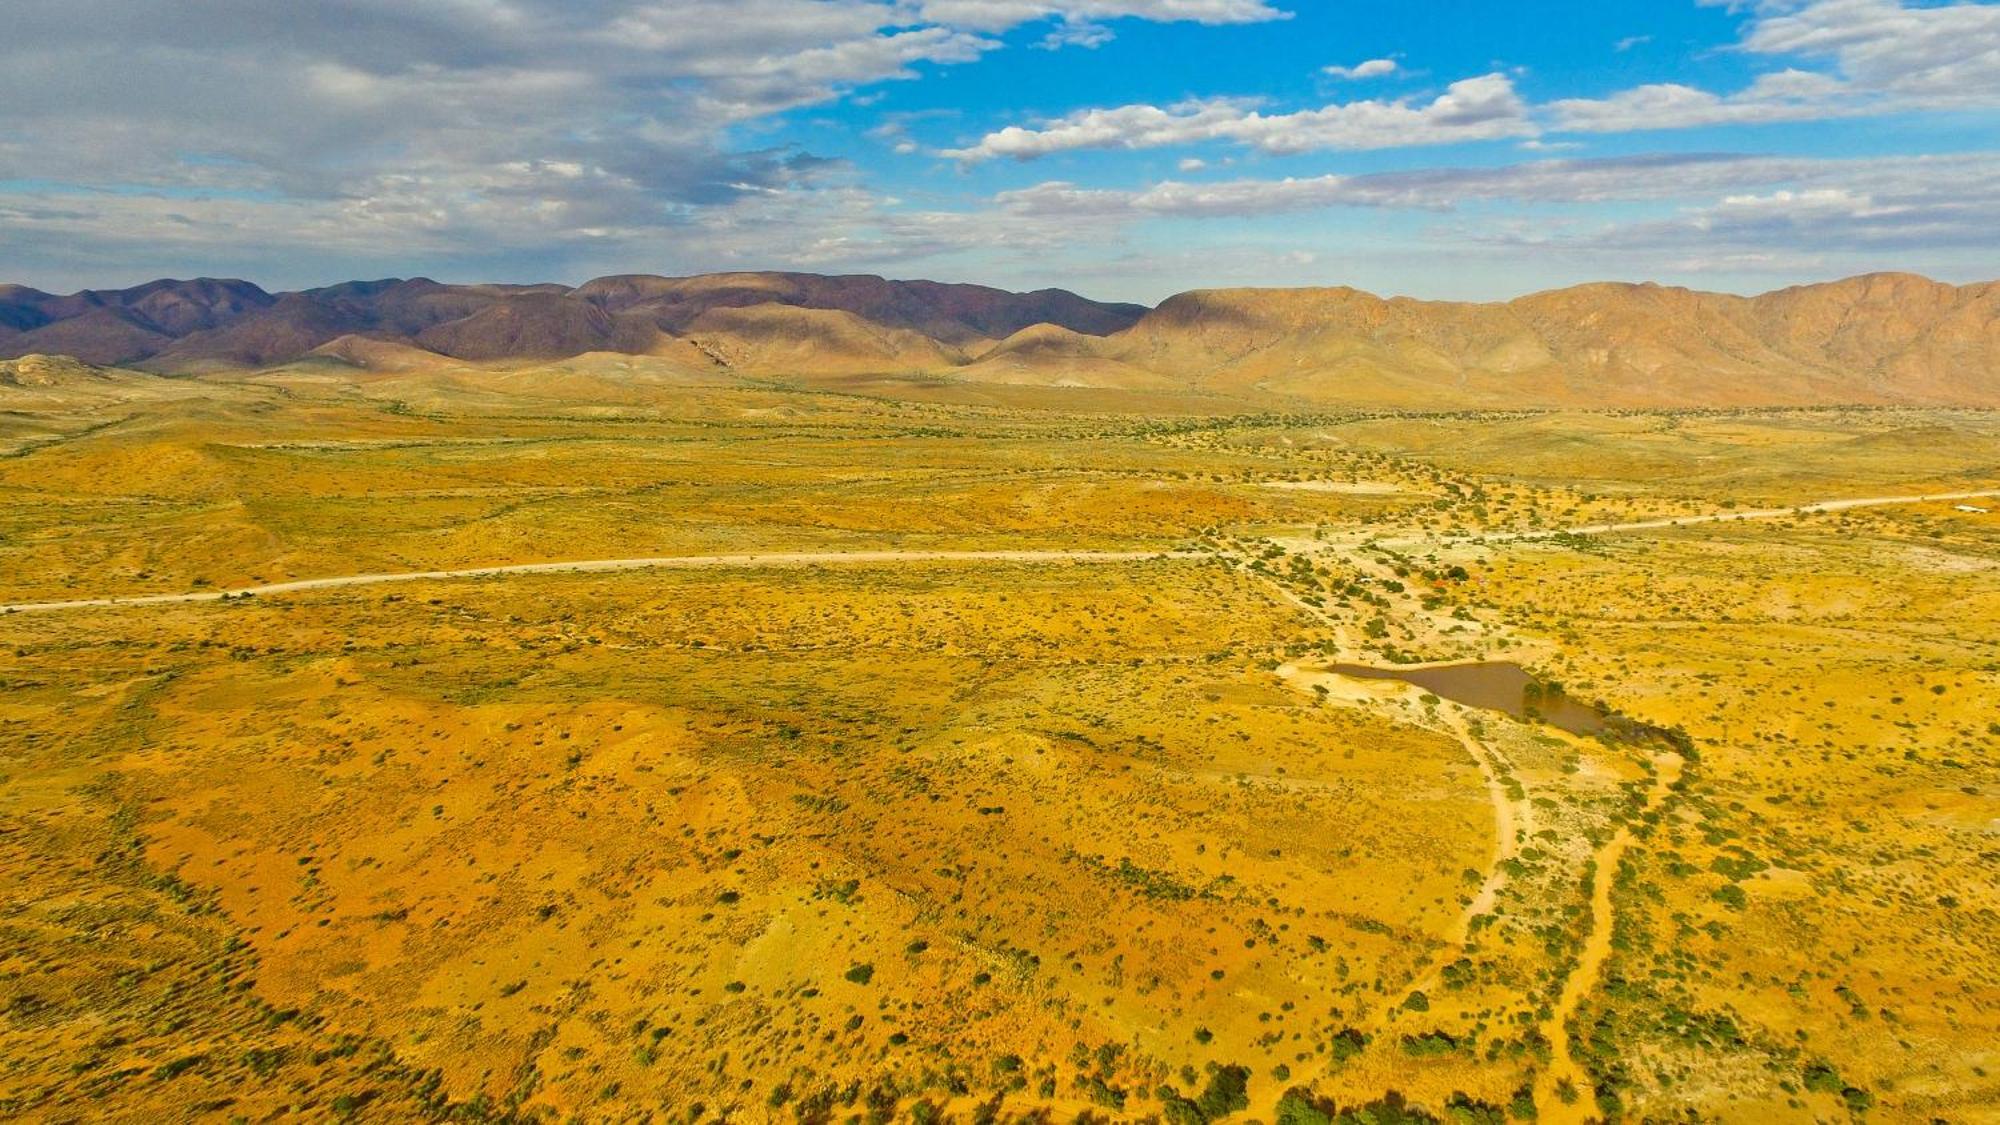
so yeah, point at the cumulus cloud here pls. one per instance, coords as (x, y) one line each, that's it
(567, 120)
(523, 231)
(998, 15)
(320, 99)
(1089, 36)
(241, 136)
(1882, 56)
(1624, 179)
(1927, 213)
(1936, 56)
(1372, 68)
(1885, 57)
(1673, 214)
(1790, 95)
(1472, 109)
(554, 137)
(1893, 219)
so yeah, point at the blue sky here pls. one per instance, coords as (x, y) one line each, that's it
(1122, 148)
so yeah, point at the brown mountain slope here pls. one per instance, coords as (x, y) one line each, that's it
(95, 335)
(21, 308)
(1882, 338)
(206, 324)
(374, 353)
(292, 327)
(537, 326)
(1051, 355)
(296, 323)
(789, 340)
(177, 308)
(956, 315)
(171, 308)
(1655, 345)
(1908, 332)
(1873, 339)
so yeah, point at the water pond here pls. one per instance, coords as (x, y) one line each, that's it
(1501, 686)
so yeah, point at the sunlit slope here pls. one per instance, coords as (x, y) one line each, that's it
(1877, 339)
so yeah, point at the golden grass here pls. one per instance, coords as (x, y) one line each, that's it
(890, 839)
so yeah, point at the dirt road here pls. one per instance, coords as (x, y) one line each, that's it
(665, 562)
(1582, 980)
(1711, 517)
(829, 558)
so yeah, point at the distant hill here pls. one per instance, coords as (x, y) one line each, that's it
(205, 324)
(43, 371)
(1880, 338)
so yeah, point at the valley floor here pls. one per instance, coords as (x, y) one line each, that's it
(782, 755)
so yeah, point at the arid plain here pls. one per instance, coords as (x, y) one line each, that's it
(983, 757)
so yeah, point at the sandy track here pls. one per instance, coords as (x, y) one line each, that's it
(1583, 979)
(1772, 513)
(1713, 517)
(1507, 818)
(664, 562)
(821, 558)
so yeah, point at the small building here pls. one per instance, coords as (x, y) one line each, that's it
(1975, 510)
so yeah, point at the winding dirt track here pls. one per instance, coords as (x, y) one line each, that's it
(1582, 980)
(664, 562)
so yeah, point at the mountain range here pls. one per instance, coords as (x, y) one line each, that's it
(1879, 338)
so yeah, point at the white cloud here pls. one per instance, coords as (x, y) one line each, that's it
(1886, 57)
(316, 99)
(1089, 36)
(1895, 218)
(581, 120)
(1930, 214)
(1790, 95)
(1372, 68)
(1773, 218)
(998, 15)
(519, 230)
(1480, 108)
(1623, 179)
(549, 137)
(1940, 56)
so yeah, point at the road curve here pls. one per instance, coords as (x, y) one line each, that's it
(663, 562)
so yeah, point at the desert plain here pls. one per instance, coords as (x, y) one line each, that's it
(924, 749)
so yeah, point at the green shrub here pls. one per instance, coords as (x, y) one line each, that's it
(1228, 1092)
(1298, 1107)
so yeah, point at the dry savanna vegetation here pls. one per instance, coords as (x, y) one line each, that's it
(1055, 807)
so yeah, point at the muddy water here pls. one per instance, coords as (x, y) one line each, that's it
(1498, 686)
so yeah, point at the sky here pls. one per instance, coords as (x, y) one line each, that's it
(1125, 149)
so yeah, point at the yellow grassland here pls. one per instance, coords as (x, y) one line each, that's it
(1023, 776)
